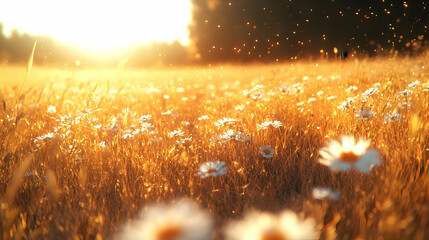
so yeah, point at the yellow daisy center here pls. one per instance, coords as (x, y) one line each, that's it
(169, 232)
(211, 170)
(267, 151)
(274, 235)
(349, 157)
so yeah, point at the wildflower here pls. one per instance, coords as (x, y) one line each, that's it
(204, 117)
(146, 127)
(102, 144)
(261, 225)
(331, 98)
(392, 117)
(184, 141)
(257, 96)
(86, 111)
(265, 125)
(51, 109)
(175, 133)
(364, 114)
(347, 155)
(368, 93)
(257, 87)
(405, 93)
(239, 107)
(297, 88)
(144, 118)
(179, 221)
(351, 88)
(347, 104)
(404, 105)
(218, 139)
(414, 84)
(237, 136)
(311, 99)
(168, 112)
(284, 89)
(113, 127)
(47, 136)
(212, 169)
(267, 151)
(225, 121)
(322, 193)
(129, 133)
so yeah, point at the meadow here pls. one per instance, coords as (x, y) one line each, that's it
(85, 152)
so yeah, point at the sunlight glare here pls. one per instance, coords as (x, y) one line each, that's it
(98, 24)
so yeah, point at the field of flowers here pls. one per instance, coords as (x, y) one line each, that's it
(309, 150)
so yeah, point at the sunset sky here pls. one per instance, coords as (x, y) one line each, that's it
(99, 24)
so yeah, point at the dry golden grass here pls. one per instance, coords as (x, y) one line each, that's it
(93, 174)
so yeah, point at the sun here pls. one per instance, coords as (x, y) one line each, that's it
(98, 24)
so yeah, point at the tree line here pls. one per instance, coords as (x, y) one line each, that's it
(254, 30)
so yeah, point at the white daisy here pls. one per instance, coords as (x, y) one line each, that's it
(392, 117)
(225, 121)
(311, 99)
(331, 98)
(414, 84)
(368, 93)
(267, 151)
(236, 136)
(405, 93)
(404, 105)
(180, 221)
(51, 109)
(175, 133)
(322, 193)
(347, 155)
(284, 89)
(347, 104)
(144, 118)
(212, 169)
(204, 117)
(264, 226)
(239, 107)
(48, 136)
(351, 89)
(364, 114)
(265, 125)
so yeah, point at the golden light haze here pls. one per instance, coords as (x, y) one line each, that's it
(97, 24)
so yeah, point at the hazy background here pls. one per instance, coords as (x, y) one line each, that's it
(254, 31)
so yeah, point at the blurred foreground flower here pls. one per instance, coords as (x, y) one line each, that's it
(347, 155)
(181, 221)
(260, 226)
(212, 169)
(267, 151)
(364, 114)
(322, 193)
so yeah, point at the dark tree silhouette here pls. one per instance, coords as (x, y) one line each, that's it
(248, 30)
